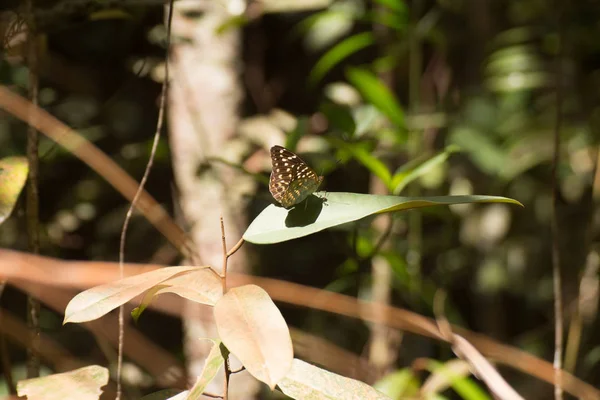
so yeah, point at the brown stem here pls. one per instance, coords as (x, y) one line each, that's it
(32, 203)
(226, 380)
(225, 257)
(235, 248)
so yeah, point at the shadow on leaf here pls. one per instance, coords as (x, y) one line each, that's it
(305, 213)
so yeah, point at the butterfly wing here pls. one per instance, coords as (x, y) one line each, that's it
(300, 189)
(292, 180)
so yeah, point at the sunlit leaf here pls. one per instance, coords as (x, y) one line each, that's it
(98, 301)
(485, 152)
(414, 170)
(518, 81)
(305, 381)
(463, 385)
(280, 6)
(253, 329)
(213, 363)
(234, 22)
(365, 157)
(377, 93)
(324, 210)
(327, 28)
(399, 384)
(339, 53)
(513, 59)
(13, 175)
(82, 384)
(442, 375)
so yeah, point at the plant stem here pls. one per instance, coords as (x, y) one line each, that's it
(32, 201)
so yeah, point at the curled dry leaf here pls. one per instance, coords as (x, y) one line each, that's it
(201, 286)
(100, 300)
(253, 329)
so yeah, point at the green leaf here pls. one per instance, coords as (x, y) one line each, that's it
(323, 210)
(414, 170)
(83, 383)
(291, 6)
(391, 19)
(396, 5)
(483, 150)
(305, 381)
(399, 384)
(340, 117)
(213, 364)
(136, 313)
(363, 156)
(235, 22)
(13, 175)
(377, 93)
(464, 386)
(338, 53)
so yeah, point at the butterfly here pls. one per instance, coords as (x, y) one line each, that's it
(292, 180)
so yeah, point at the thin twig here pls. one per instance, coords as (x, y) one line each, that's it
(235, 248)
(226, 256)
(237, 371)
(33, 202)
(224, 269)
(556, 270)
(159, 124)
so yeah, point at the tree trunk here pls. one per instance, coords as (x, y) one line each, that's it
(203, 103)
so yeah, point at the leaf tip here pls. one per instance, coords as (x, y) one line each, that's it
(136, 313)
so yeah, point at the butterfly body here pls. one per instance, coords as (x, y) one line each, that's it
(292, 180)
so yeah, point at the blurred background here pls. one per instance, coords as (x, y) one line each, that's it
(413, 98)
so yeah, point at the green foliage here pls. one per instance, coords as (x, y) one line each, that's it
(339, 53)
(377, 93)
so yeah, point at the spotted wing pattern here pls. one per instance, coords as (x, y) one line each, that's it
(292, 180)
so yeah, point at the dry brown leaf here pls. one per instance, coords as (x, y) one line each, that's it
(82, 384)
(253, 329)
